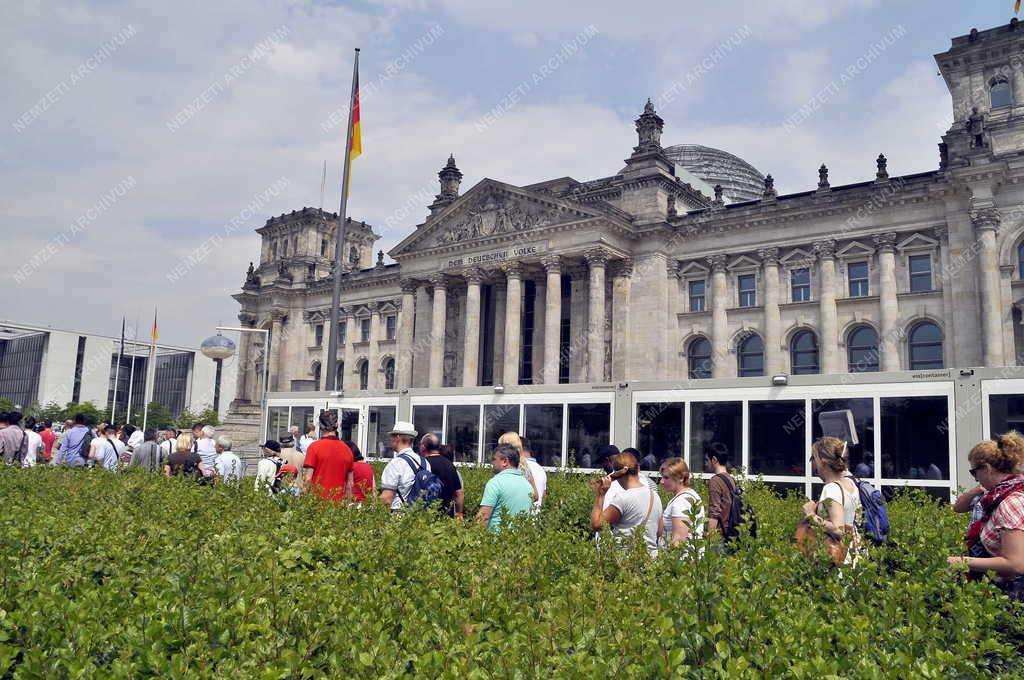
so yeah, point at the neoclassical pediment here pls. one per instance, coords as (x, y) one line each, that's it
(854, 249)
(489, 211)
(917, 242)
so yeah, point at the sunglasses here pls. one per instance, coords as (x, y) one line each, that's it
(974, 471)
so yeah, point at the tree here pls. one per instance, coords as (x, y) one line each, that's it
(186, 419)
(159, 416)
(88, 409)
(209, 416)
(6, 405)
(51, 411)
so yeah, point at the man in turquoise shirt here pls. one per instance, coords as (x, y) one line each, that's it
(508, 493)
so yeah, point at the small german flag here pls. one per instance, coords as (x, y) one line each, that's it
(355, 144)
(1016, 7)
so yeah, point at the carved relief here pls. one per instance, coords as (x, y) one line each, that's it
(491, 215)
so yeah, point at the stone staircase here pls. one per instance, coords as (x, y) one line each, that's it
(242, 424)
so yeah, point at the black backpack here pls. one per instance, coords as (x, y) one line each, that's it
(740, 514)
(83, 451)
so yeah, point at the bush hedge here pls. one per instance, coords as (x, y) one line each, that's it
(137, 576)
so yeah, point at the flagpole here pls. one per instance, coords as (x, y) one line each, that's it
(131, 373)
(147, 391)
(117, 372)
(330, 380)
(323, 185)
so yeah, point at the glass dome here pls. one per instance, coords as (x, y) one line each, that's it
(740, 180)
(217, 347)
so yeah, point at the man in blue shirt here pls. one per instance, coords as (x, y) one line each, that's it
(507, 494)
(71, 453)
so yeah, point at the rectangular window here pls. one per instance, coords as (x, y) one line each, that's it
(428, 419)
(498, 419)
(920, 273)
(696, 296)
(543, 427)
(747, 286)
(341, 333)
(364, 330)
(378, 441)
(463, 432)
(857, 273)
(318, 335)
(716, 429)
(323, 247)
(778, 447)
(800, 282)
(76, 392)
(391, 326)
(1005, 413)
(915, 438)
(589, 431)
(659, 432)
(860, 457)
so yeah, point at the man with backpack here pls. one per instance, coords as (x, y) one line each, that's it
(266, 469)
(452, 496)
(327, 465)
(74, 449)
(726, 511)
(407, 478)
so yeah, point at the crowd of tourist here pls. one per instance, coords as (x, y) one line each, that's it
(625, 501)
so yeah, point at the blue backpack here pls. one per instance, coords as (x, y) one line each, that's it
(426, 486)
(876, 517)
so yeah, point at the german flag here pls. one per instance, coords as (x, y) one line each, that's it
(1016, 7)
(355, 143)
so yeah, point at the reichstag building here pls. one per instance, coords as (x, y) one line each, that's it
(684, 268)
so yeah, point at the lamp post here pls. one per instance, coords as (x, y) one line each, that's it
(266, 376)
(218, 348)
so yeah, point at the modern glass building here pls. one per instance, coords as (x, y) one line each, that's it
(44, 365)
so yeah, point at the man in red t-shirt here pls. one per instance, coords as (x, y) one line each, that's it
(48, 438)
(328, 464)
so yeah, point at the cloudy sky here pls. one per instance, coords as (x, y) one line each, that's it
(133, 134)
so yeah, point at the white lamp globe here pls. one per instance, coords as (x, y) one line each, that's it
(217, 347)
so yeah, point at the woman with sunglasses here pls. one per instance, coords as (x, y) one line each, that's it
(635, 506)
(683, 518)
(995, 542)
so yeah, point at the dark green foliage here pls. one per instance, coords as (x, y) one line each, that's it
(158, 416)
(137, 576)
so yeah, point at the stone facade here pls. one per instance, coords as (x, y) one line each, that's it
(644, 276)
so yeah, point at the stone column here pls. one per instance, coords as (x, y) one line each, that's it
(774, 352)
(537, 357)
(349, 379)
(437, 330)
(374, 376)
(471, 348)
(513, 315)
(276, 347)
(596, 259)
(621, 273)
(246, 362)
(828, 343)
(986, 223)
(719, 320)
(552, 318)
(403, 365)
(889, 313)
(578, 327)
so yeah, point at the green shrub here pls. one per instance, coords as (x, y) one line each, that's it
(137, 576)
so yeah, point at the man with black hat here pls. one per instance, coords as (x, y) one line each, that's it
(266, 469)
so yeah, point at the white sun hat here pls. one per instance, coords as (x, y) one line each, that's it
(404, 428)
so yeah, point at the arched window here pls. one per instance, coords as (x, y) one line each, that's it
(364, 375)
(750, 356)
(1001, 94)
(389, 374)
(862, 350)
(315, 371)
(803, 353)
(339, 376)
(1020, 260)
(925, 346)
(698, 358)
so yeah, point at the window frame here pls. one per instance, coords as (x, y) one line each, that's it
(391, 326)
(913, 328)
(866, 279)
(1009, 90)
(691, 372)
(703, 297)
(799, 334)
(740, 354)
(850, 347)
(739, 278)
(911, 256)
(803, 286)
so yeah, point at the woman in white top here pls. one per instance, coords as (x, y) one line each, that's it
(635, 506)
(835, 511)
(683, 518)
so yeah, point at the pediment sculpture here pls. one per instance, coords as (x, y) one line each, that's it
(489, 217)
